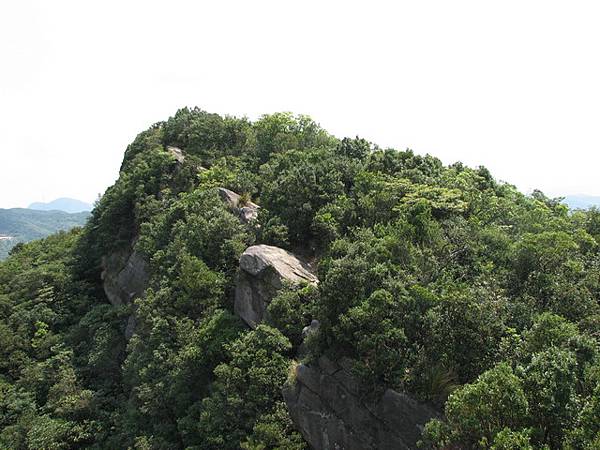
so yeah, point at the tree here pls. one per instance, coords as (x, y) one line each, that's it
(549, 384)
(478, 412)
(246, 387)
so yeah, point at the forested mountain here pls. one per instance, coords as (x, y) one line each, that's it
(24, 225)
(345, 297)
(69, 205)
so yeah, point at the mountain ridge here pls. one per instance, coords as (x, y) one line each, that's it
(66, 204)
(440, 293)
(581, 201)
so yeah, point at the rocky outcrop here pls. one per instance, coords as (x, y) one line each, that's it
(124, 276)
(177, 153)
(325, 404)
(180, 158)
(246, 212)
(263, 271)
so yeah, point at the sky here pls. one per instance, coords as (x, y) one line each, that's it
(512, 85)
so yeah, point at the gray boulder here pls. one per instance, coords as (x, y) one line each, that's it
(326, 405)
(263, 271)
(246, 212)
(179, 156)
(124, 276)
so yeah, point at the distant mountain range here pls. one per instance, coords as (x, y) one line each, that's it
(69, 205)
(581, 201)
(23, 225)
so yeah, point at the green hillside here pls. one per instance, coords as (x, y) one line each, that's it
(437, 282)
(24, 225)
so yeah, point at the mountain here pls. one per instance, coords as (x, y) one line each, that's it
(23, 225)
(266, 285)
(581, 201)
(69, 205)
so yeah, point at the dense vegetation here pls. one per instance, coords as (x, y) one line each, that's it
(24, 225)
(436, 280)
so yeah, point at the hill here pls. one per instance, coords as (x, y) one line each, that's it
(266, 285)
(69, 205)
(581, 201)
(24, 225)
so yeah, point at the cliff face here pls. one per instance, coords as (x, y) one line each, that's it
(325, 404)
(125, 276)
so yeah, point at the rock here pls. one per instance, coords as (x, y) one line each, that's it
(177, 153)
(124, 276)
(249, 213)
(326, 406)
(263, 271)
(230, 198)
(310, 329)
(246, 213)
(130, 327)
(180, 157)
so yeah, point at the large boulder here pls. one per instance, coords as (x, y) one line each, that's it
(247, 212)
(326, 405)
(124, 276)
(263, 271)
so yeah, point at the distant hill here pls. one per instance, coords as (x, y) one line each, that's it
(69, 205)
(23, 225)
(581, 201)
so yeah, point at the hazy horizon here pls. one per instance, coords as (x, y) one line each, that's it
(510, 86)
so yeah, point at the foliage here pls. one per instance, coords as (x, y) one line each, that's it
(477, 412)
(438, 280)
(246, 386)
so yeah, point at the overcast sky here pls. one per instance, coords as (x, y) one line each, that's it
(512, 85)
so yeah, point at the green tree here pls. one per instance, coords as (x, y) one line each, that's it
(478, 412)
(246, 387)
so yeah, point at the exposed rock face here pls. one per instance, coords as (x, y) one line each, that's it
(263, 271)
(130, 327)
(246, 213)
(325, 405)
(125, 276)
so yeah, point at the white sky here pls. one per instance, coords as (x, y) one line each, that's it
(512, 85)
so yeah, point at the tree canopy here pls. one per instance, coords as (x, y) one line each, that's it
(436, 280)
